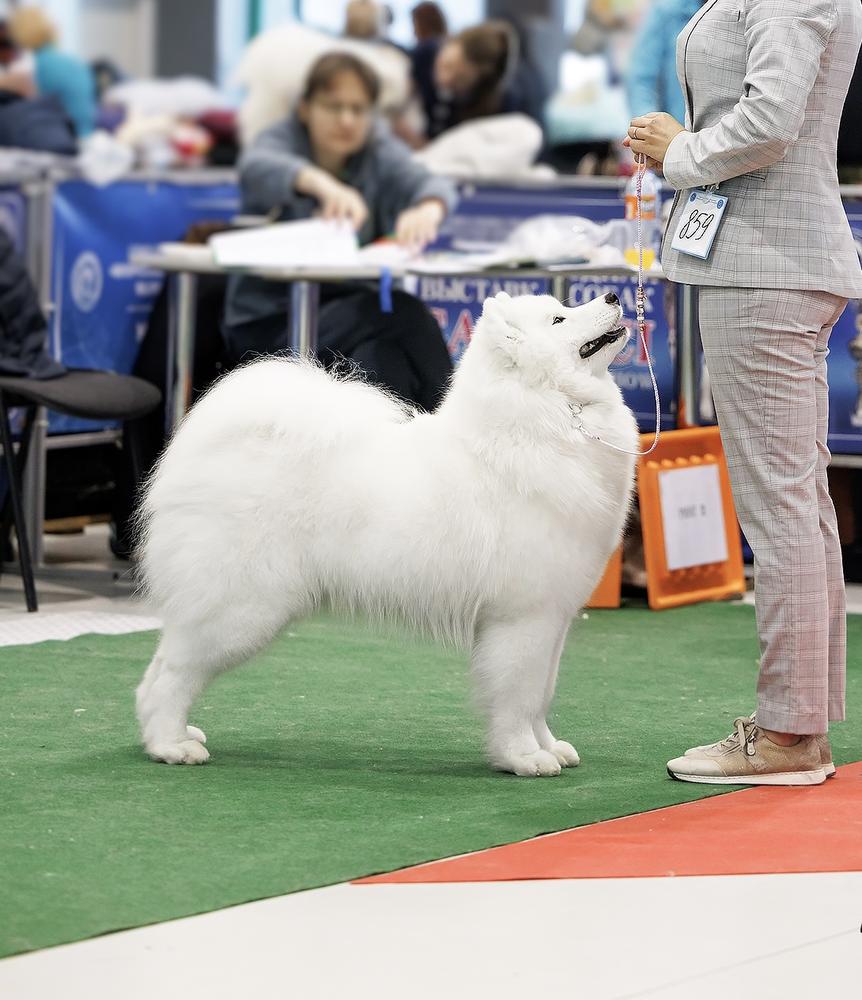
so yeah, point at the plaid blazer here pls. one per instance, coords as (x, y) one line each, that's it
(765, 83)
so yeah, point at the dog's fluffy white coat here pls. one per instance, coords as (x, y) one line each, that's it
(487, 523)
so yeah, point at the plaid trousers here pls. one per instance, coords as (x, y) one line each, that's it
(766, 351)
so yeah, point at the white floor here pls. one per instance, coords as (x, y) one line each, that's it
(81, 589)
(774, 936)
(777, 936)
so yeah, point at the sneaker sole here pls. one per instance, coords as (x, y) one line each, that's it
(786, 778)
(829, 770)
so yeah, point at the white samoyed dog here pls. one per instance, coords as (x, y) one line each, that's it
(487, 523)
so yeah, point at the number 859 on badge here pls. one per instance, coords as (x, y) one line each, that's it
(698, 223)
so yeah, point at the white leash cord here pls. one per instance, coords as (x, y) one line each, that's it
(640, 309)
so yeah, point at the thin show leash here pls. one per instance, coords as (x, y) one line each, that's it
(640, 309)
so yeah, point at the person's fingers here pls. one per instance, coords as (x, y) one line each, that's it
(640, 131)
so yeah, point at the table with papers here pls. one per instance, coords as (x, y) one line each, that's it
(305, 263)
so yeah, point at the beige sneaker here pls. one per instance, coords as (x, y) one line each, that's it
(747, 757)
(823, 745)
(825, 748)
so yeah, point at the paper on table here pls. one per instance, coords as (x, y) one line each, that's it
(386, 253)
(306, 243)
(192, 252)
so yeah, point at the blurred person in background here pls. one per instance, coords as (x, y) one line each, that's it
(365, 20)
(430, 30)
(651, 81)
(56, 74)
(608, 29)
(16, 67)
(334, 158)
(481, 71)
(429, 23)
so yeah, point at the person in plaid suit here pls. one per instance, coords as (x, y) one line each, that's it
(765, 83)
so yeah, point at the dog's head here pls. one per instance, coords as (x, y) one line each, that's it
(545, 342)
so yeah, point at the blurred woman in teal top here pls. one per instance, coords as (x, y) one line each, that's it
(56, 73)
(651, 81)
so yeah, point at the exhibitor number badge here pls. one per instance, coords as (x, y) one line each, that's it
(699, 223)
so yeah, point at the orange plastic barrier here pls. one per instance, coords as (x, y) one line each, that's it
(670, 584)
(607, 593)
(692, 546)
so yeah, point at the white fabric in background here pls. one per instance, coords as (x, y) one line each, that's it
(180, 97)
(492, 147)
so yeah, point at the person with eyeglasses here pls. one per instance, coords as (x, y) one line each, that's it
(336, 159)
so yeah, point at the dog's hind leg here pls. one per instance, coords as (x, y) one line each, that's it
(188, 658)
(563, 751)
(510, 669)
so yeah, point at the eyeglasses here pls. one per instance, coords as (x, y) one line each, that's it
(336, 109)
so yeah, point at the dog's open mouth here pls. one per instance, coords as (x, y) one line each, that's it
(592, 346)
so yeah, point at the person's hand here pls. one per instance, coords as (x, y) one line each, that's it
(654, 165)
(652, 134)
(417, 226)
(337, 200)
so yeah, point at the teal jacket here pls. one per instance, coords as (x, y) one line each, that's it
(651, 81)
(71, 82)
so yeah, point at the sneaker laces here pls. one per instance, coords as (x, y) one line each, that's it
(743, 736)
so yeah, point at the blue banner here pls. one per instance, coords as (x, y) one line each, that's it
(487, 214)
(845, 383)
(630, 369)
(103, 302)
(456, 304)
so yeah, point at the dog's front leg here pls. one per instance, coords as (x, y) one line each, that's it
(510, 665)
(563, 751)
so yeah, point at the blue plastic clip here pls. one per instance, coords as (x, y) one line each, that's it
(385, 290)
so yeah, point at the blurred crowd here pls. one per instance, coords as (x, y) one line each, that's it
(468, 101)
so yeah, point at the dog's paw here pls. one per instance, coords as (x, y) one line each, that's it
(538, 764)
(196, 734)
(181, 752)
(565, 753)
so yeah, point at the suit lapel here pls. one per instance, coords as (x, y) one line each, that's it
(681, 48)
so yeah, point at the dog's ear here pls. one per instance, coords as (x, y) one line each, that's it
(499, 327)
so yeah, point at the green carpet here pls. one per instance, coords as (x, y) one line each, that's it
(337, 754)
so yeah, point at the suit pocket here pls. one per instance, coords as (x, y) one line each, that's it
(758, 175)
(726, 14)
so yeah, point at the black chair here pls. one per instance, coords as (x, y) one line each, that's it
(94, 395)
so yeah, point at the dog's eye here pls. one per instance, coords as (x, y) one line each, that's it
(558, 319)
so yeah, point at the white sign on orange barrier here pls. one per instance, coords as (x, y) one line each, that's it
(692, 517)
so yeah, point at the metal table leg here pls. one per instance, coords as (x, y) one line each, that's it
(687, 335)
(182, 302)
(560, 288)
(302, 325)
(34, 477)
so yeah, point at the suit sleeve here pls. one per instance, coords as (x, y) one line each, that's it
(785, 40)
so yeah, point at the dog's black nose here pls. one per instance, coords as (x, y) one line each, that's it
(611, 299)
